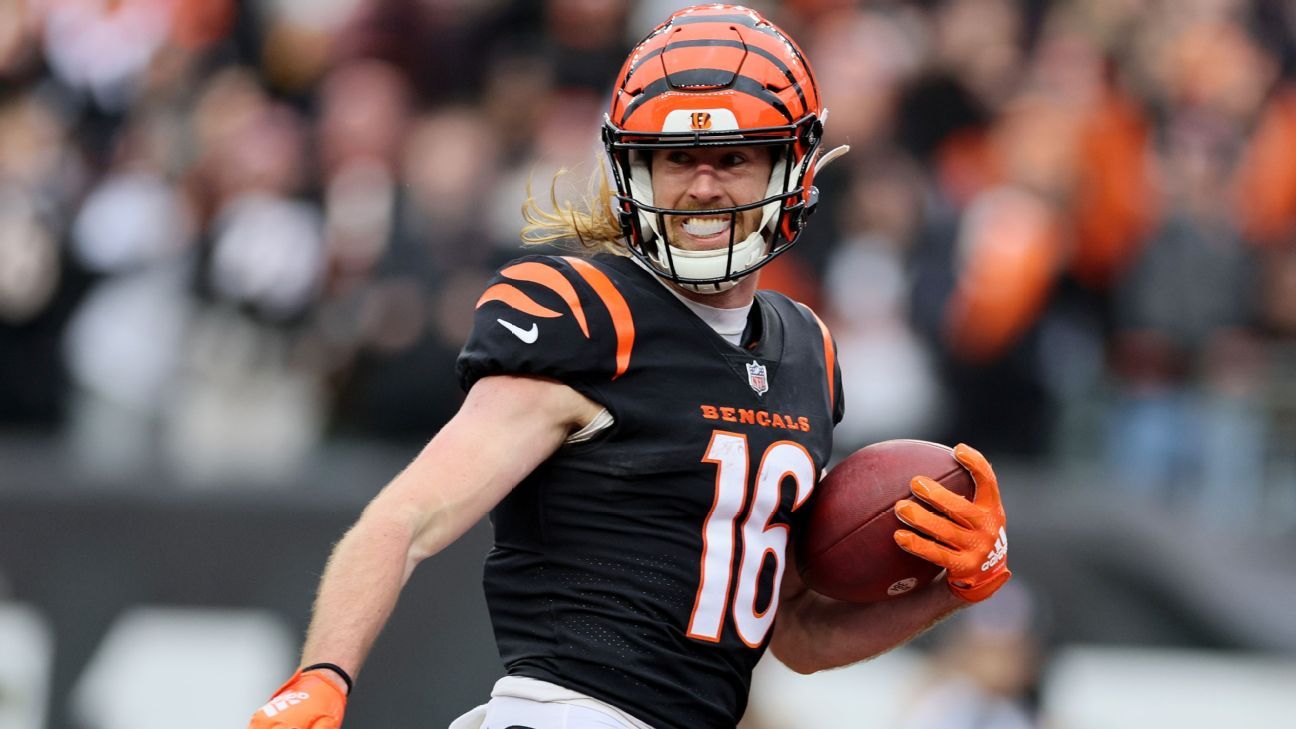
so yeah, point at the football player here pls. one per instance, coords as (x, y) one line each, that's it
(645, 428)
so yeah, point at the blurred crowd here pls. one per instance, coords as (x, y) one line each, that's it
(233, 231)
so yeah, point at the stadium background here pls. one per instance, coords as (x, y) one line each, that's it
(240, 242)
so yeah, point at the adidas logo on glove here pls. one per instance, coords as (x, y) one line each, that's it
(283, 701)
(1000, 551)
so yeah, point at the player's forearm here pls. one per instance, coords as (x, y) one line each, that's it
(814, 633)
(359, 589)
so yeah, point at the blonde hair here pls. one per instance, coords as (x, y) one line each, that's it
(590, 228)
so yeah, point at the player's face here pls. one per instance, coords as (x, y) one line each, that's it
(702, 178)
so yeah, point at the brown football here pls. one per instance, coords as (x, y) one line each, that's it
(846, 549)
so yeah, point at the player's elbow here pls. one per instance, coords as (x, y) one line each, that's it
(396, 527)
(796, 664)
(794, 648)
(797, 659)
(416, 518)
(807, 657)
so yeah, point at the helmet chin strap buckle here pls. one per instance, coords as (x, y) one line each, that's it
(811, 204)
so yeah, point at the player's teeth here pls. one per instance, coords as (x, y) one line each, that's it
(705, 226)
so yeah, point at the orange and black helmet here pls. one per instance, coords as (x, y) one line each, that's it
(714, 76)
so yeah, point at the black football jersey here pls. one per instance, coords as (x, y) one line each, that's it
(641, 568)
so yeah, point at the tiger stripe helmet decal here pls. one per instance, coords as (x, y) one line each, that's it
(716, 50)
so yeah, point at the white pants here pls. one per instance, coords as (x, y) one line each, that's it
(521, 703)
(506, 712)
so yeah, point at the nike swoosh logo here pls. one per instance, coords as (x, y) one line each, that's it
(526, 335)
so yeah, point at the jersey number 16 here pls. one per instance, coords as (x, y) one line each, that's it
(783, 459)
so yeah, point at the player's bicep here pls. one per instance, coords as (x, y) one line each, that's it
(507, 426)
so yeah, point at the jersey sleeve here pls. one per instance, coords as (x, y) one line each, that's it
(832, 367)
(538, 316)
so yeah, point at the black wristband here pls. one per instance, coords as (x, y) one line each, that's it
(335, 669)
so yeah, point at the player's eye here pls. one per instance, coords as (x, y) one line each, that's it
(677, 157)
(734, 159)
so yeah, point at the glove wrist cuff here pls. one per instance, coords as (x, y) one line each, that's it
(974, 593)
(346, 678)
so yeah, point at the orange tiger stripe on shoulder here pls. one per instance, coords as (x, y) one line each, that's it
(538, 273)
(622, 322)
(830, 357)
(513, 296)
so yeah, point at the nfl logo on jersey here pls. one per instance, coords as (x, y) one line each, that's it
(756, 377)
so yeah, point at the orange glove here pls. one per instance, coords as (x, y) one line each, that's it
(973, 544)
(305, 701)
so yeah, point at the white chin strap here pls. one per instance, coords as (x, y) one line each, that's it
(706, 264)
